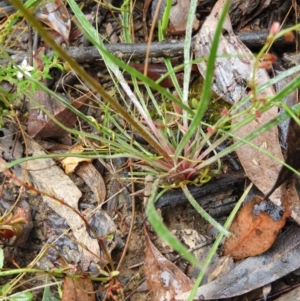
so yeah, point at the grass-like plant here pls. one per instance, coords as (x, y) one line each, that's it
(181, 142)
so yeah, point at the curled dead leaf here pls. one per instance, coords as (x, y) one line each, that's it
(93, 179)
(254, 230)
(70, 163)
(78, 289)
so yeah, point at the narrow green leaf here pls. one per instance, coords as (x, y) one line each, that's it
(203, 213)
(1, 258)
(22, 296)
(47, 295)
(207, 84)
(217, 242)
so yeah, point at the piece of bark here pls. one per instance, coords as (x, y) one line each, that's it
(205, 194)
(90, 54)
(242, 12)
(161, 49)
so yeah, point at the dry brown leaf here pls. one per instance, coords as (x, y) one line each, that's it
(164, 279)
(47, 177)
(70, 163)
(292, 155)
(93, 179)
(39, 125)
(232, 74)
(252, 234)
(178, 15)
(56, 16)
(78, 290)
(178, 18)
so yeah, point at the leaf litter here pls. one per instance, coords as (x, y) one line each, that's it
(233, 70)
(48, 177)
(239, 88)
(254, 230)
(255, 272)
(253, 233)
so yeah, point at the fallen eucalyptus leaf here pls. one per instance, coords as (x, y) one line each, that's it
(253, 230)
(93, 179)
(39, 125)
(292, 155)
(78, 289)
(56, 16)
(178, 15)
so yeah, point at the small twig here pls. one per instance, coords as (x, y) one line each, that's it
(130, 228)
(252, 40)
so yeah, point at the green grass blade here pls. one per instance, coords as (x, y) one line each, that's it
(217, 242)
(203, 213)
(187, 57)
(207, 84)
(93, 36)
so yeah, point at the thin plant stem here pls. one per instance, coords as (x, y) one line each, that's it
(217, 242)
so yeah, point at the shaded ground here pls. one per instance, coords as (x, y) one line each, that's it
(47, 225)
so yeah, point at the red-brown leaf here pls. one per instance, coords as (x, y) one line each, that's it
(252, 234)
(39, 125)
(78, 290)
